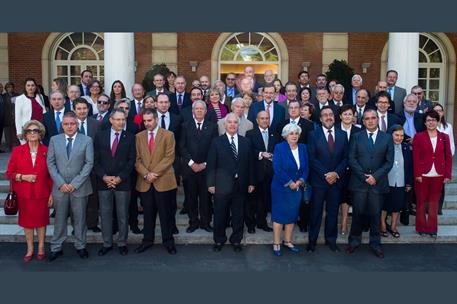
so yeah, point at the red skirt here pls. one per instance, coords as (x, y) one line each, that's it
(33, 213)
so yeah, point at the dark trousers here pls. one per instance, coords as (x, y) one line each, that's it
(304, 214)
(133, 204)
(257, 204)
(224, 205)
(366, 204)
(197, 198)
(157, 202)
(114, 200)
(92, 205)
(331, 196)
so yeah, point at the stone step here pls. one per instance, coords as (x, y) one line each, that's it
(451, 189)
(446, 234)
(450, 202)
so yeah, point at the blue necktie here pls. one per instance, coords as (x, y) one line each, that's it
(371, 141)
(58, 121)
(389, 90)
(82, 130)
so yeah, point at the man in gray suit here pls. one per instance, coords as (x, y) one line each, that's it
(397, 94)
(371, 156)
(238, 107)
(70, 161)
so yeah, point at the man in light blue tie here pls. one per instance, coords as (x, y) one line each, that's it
(397, 94)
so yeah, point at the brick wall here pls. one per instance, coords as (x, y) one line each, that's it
(143, 49)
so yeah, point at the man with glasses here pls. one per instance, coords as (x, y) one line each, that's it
(130, 125)
(423, 104)
(230, 89)
(104, 110)
(381, 87)
(386, 119)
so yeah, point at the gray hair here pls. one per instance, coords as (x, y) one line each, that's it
(33, 123)
(123, 100)
(238, 99)
(232, 115)
(338, 86)
(357, 76)
(118, 110)
(199, 102)
(290, 128)
(58, 92)
(410, 95)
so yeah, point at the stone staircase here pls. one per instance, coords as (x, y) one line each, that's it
(447, 231)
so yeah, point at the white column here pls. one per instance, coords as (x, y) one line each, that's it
(403, 57)
(119, 61)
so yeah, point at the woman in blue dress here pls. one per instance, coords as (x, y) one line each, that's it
(290, 166)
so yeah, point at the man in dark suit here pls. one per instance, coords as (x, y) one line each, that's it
(52, 119)
(186, 113)
(350, 93)
(159, 84)
(321, 101)
(230, 177)
(291, 95)
(230, 88)
(126, 105)
(86, 77)
(397, 94)
(386, 119)
(103, 106)
(180, 99)
(194, 144)
(171, 122)
(137, 101)
(328, 151)
(263, 140)
(90, 127)
(277, 113)
(361, 105)
(113, 164)
(410, 119)
(371, 156)
(205, 86)
(381, 87)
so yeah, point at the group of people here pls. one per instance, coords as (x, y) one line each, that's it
(240, 148)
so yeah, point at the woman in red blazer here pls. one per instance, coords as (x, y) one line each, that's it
(432, 163)
(32, 183)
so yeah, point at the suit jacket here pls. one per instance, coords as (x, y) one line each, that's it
(278, 113)
(92, 128)
(244, 126)
(21, 163)
(186, 102)
(236, 92)
(74, 170)
(187, 115)
(120, 165)
(154, 92)
(407, 163)
(285, 167)
(81, 90)
(418, 121)
(305, 125)
(399, 95)
(424, 157)
(317, 111)
(363, 160)
(392, 119)
(347, 99)
(322, 161)
(131, 126)
(49, 122)
(105, 123)
(222, 167)
(263, 167)
(284, 105)
(194, 145)
(160, 162)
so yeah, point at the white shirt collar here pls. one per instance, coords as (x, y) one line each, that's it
(296, 120)
(261, 130)
(235, 137)
(74, 136)
(375, 134)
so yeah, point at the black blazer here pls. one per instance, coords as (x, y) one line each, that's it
(49, 122)
(131, 126)
(263, 167)
(93, 127)
(120, 165)
(222, 167)
(305, 125)
(105, 123)
(377, 162)
(317, 111)
(186, 102)
(418, 121)
(194, 145)
(186, 114)
(408, 163)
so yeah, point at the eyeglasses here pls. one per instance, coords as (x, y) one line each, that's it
(103, 102)
(32, 131)
(230, 78)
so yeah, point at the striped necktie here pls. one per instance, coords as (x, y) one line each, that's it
(233, 146)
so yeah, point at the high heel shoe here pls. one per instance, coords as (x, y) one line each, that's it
(277, 250)
(40, 257)
(28, 258)
(291, 246)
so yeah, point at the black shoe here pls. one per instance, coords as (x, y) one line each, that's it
(351, 249)
(440, 212)
(333, 247)
(217, 247)
(378, 252)
(175, 230)
(412, 212)
(265, 228)
(207, 228)
(191, 229)
(251, 230)
(183, 211)
(83, 254)
(54, 255)
(311, 247)
(53, 214)
(171, 250)
(115, 230)
(73, 232)
(142, 248)
(136, 230)
(104, 250)
(123, 250)
(237, 247)
(95, 229)
(303, 228)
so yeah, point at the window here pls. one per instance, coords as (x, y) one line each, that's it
(75, 52)
(249, 49)
(431, 68)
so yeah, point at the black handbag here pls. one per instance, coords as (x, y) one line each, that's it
(10, 205)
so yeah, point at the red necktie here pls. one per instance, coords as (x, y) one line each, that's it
(330, 141)
(100, 117)
(383, 124)
(115, 144)
(151, 142)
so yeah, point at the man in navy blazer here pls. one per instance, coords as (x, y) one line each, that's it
(180, 99)
(328, 151)
(371, 156)
(53, 118)
(86, 77)
(277, 113)
(104, 110)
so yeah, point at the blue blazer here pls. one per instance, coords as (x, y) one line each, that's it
(279, 113)
(321, 161)
(284, 165)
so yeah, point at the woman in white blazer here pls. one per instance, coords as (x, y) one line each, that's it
(29, 105)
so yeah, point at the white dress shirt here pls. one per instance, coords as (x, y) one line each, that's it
(113, 136)
(85, 125)
(375, 134)
(235, 139)
(296, 156)
(167, 119)
(326, 133)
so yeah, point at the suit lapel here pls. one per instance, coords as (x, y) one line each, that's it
(291, 156)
